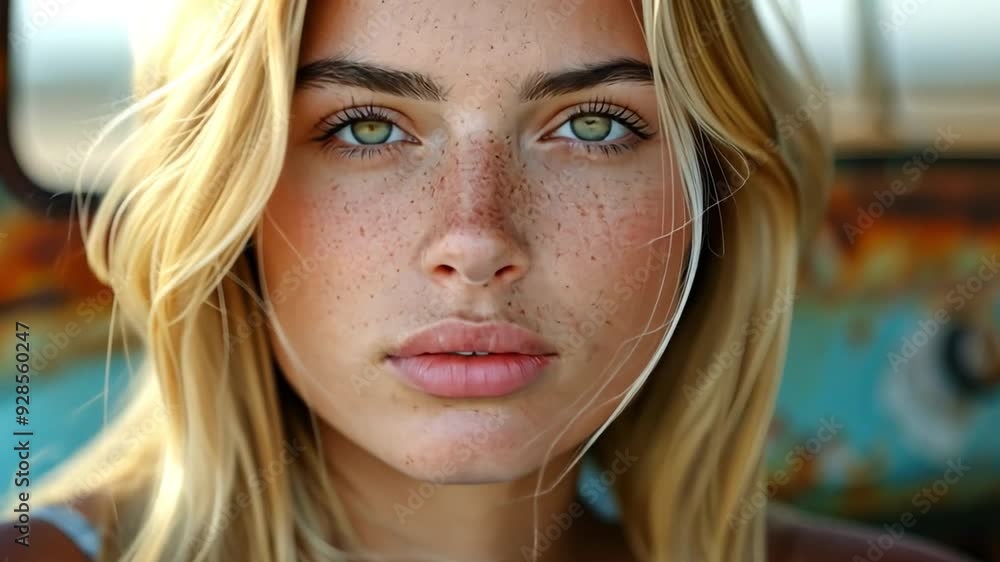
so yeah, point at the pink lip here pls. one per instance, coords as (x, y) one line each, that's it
(517, 357)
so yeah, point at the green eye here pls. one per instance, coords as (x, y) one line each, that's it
(371, 132)
(591, 127)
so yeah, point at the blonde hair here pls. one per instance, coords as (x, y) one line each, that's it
(171, 237)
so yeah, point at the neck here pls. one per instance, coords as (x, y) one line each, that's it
(396, 515)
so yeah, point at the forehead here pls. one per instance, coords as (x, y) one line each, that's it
(455, 38)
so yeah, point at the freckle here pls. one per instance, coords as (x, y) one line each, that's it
(362, 231)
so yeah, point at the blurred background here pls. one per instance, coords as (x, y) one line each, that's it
(890, 403)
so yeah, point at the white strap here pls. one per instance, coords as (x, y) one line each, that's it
(74, 525)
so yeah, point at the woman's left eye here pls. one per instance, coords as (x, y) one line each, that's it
(603, 126)
(592, 128)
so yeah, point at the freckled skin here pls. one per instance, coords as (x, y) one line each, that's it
(492, 222)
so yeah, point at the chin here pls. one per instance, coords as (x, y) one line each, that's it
(475, 446)
(484, 469)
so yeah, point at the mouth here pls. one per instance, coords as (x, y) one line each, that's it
(464, 360)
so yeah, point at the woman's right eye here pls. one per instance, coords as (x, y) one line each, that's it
(369, 132)
(361, 131)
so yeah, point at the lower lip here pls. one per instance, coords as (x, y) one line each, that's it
(460, 376)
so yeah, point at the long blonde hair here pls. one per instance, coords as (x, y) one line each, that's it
(208, 416)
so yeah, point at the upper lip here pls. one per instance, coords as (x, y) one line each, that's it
(494, 337)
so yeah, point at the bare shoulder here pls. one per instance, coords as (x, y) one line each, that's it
(41, 541)
(794, 536)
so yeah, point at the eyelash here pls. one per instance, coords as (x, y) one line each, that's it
(601, 107)
(628, 118)
(333, 124)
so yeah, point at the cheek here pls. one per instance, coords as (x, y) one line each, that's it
(634, 228)
(309, 208)
(623, 261)
(310, 215)
(604, 221)
(654, 208)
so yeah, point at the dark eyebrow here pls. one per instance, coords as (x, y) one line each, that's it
(343, 72)
(551, 84)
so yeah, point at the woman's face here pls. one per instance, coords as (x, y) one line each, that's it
(456, 164)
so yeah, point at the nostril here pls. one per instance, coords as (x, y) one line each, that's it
(506, 271)
(444, 269)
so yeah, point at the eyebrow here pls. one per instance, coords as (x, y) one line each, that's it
(340, 71)
(550, 84)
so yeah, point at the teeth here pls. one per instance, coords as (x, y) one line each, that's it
(471, 352)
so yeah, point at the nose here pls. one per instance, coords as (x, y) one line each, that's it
(483, 257)
(474, 242)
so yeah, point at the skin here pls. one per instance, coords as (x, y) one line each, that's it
(492, 208)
